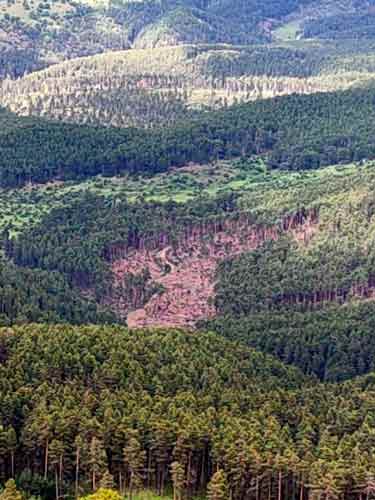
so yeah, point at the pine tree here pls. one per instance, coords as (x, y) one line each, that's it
(56, 452)
(11, 492)
(134, 460)
(218, 488)
(107, 482)
(11, 440)
(178, 479)
(97, 461)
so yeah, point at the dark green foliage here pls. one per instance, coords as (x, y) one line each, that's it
(297, 132)
(93, 403)
(80, 239)
(15, 63)
(104, 391)
(34, 295)
(346, 26)
(335, 343)
(280, 275)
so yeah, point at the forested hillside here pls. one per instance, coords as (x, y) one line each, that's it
(152, 87)
(187, 258)
(37, 33)
(293, 132)
(56, 30)
(129, 253)
(92, 405)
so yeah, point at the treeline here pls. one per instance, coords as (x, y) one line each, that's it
(334, 343)
(296, 132)
(103, 405)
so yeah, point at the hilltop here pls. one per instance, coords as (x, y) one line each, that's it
(37, 33)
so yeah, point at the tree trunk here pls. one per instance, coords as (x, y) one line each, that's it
(12, 462)
(149, 470)
(46, 461)
(162, 482)
(77, 473)
(201, 479)
(270, 488)
(61, 468)
(57, 483)
(131, 487)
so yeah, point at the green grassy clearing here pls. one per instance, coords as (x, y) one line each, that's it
(259, 189)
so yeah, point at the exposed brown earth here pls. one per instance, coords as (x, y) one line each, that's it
(186, 270)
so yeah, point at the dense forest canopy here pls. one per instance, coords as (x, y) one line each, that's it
(207, 164)
(189, 401)
(333, 343)
(294, 132)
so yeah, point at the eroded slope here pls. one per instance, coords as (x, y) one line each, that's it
(185, 271)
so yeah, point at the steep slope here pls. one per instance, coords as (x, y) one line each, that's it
(186, 271)
(272, 247)
(203, 273)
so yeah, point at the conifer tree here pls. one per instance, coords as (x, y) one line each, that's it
(97, 461)
(107, 482)
(218, 487)
(11, 492)
(134, 460)
(11, 442)
(178, 479)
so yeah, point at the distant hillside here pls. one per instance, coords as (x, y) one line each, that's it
(36, 33)
(144, 87)
(331, 19)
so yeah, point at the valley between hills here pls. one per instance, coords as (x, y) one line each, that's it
(187, 250)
